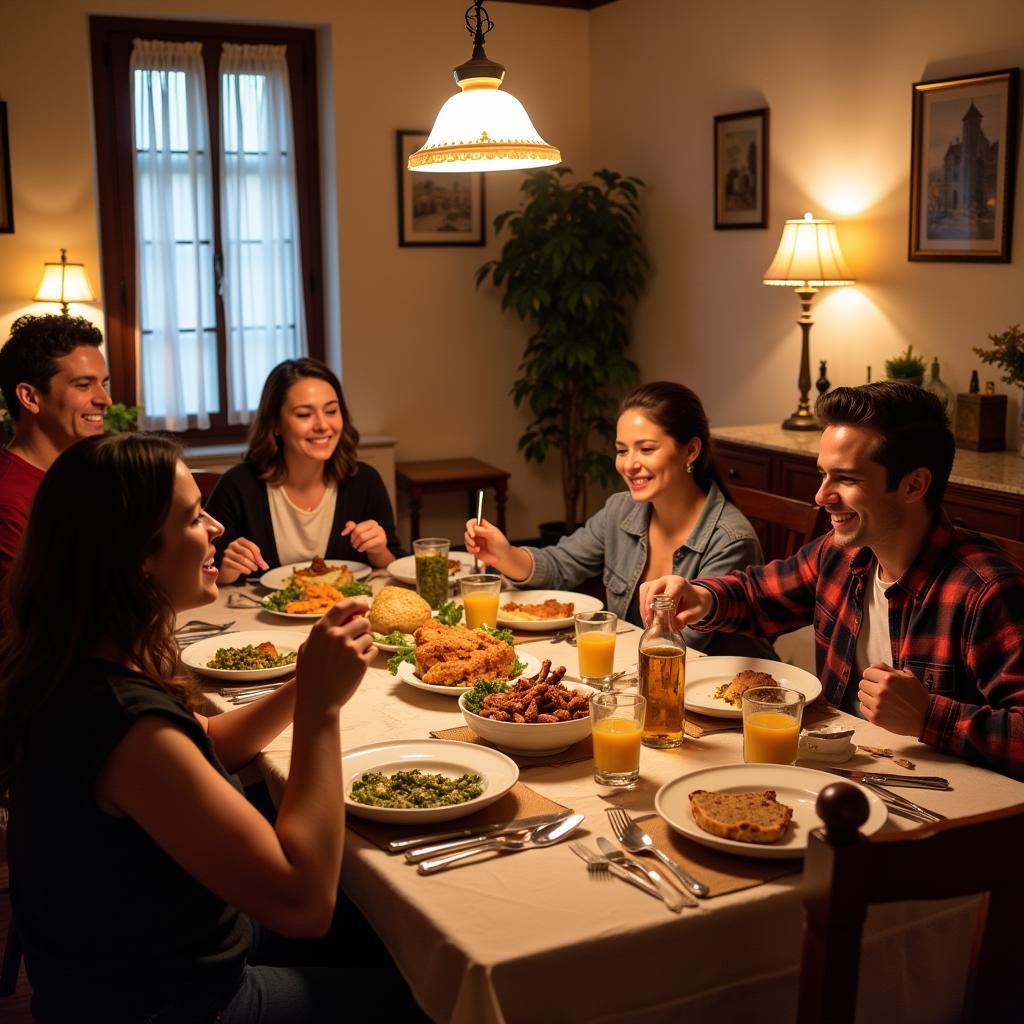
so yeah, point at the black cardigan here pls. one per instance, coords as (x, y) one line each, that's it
(241, 504)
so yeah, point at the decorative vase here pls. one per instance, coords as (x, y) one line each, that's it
(938, 387)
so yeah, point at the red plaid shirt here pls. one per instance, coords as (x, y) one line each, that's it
(955, 621)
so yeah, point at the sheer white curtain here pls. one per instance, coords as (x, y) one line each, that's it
(261, 286)
(173, 208)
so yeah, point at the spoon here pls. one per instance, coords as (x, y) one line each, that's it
(544, 835)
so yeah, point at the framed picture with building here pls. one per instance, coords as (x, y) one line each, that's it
(6, 198)
(963, 167)
(741, 169)
(435, 207)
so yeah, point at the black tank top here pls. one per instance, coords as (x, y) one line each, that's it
(113, 928)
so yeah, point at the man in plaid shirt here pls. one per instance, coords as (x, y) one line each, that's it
(917, 625)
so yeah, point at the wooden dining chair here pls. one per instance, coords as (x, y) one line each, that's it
(205, 481)
(844, 872)
(783, 525)
(1014, 548)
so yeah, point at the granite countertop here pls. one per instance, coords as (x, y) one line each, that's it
(994, 471)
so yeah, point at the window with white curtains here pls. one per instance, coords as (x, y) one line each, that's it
(216, 263)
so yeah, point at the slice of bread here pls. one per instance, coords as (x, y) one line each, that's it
(741, 682)
(755, 817)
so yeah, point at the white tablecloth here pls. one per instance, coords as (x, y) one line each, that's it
(535, 938)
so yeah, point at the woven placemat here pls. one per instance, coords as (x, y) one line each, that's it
(582, 751)
(519, 802)
(721, 872)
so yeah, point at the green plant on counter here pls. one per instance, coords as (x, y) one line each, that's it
(573, 265)
(906, 366)
(1007, 354)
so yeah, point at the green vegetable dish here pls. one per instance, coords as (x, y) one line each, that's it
(414, 789)
(432, 579)
(248, 658)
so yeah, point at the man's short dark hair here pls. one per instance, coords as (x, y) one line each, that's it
(31, 352)
(911, 424)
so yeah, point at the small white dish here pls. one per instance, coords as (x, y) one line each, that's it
(407, 673)
(196, 655)
(794, 786)
(580, 602)
(498, 774)
(277, 579)
(705, 675)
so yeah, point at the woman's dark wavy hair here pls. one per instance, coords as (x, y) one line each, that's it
(911, 424)
(264, 447)
(678, 411)
(78, 579)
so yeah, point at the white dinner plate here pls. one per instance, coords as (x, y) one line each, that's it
(285, 640)
(705, 675)
(404, 569)
(407, 673)
(277, 579)
(498, 773)
(794, 786)
(581, 602)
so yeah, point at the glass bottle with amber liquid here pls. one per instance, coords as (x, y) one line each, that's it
(662, 663)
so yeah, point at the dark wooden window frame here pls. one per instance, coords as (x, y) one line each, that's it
(111, 42)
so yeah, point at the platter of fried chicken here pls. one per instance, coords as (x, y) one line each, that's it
(450, 659)
(537, 610)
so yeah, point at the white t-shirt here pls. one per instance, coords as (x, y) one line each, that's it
(300, 535)
(874, 643)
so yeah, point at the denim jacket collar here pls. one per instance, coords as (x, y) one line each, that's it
(638, 520)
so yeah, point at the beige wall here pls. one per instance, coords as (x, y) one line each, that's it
(837, 77)
(424, 356)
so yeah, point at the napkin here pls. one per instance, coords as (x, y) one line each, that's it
(519, 802)
(582, 751)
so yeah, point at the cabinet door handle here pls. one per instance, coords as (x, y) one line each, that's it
(732, 474)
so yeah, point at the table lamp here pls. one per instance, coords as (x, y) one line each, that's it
(64, 282)
(808, 259)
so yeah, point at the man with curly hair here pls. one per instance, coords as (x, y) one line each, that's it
(54, 381)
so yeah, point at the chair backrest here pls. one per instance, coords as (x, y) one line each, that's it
(783, 525)
(844, 872)
(205, 481)
(1013, 548)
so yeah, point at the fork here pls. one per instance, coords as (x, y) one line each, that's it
(636, 840)
(601, 867)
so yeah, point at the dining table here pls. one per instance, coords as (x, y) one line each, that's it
(535, 936)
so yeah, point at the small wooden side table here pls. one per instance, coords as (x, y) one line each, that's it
(438, 476)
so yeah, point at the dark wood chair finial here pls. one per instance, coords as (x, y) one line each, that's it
(843, 808)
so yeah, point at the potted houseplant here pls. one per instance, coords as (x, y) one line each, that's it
(906, 366)
(1007, 353)
(118, 419)
(572, 265)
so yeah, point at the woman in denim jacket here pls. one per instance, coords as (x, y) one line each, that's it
(676, 518)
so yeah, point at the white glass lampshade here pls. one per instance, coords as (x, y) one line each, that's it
(481, 128)
(808, 256)
(64, 282)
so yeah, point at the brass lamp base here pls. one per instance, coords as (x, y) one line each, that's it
(802, 419)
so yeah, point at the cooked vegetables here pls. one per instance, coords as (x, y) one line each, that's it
(432, 579)
(249, 658)
(414, 789)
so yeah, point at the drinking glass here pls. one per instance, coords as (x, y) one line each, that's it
(480, 595)
(431, 555)
(771, 724)
(595, 642)
(617, 723)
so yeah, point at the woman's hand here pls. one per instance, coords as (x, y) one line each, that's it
(491, 546)
(369, 538)
(241, 557)
(333, 660)
(692, 603)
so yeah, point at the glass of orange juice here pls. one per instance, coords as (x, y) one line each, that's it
(480, 594)
(771, 724)
(617, 724)
(595, 642)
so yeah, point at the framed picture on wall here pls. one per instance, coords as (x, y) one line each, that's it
(741, 170)
(6, 199)
(963, 163)
(437, 208)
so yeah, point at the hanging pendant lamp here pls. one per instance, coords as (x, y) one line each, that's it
(481, 128)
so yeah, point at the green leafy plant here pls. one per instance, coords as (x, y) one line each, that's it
(573, 266)
(121, 419)
(906, 366)
(1007, 354)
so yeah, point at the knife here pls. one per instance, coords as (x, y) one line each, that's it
(882, 779)
(512, 830)
(479, 832)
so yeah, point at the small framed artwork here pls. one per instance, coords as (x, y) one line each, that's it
(963, 166)
(437, 207)
(6, 198)
(741, 170)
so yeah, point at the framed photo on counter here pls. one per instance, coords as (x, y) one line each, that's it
(741, 170)
(437, 207)
(963, 167)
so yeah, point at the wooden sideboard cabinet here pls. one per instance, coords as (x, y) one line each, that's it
(985, 491)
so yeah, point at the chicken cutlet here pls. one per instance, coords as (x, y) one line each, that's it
(549, 609)
(454, 655)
